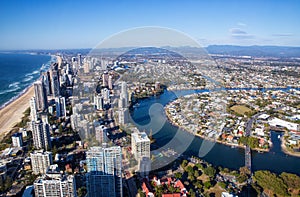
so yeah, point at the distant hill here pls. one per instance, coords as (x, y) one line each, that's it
(257, 51)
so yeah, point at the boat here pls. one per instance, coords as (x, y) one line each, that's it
(136, 105)
(278, 136)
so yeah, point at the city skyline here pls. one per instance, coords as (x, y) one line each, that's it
(78, 24)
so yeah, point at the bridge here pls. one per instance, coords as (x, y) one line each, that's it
(248, 134)
(248, 157)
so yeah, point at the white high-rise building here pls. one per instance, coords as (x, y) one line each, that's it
(60, 103)
(104, 64)
(33, 109)
(122, 103)
(46, 82)
(41, 135)
(105, 93)
(105, 79)
(123, 116)
(17, 140)
(99, 102)
(79, 60)
(124, 92)
(40, 161)
(54, 75)
(55, 184)
(40, 96)
(110, 82)
(100, 134)
(104, 177)
(140, 144)
(86, 67)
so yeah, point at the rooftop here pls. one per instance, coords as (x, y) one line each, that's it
(140, 137)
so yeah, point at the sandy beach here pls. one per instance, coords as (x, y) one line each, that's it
(13, 112)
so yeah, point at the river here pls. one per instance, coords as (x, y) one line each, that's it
(170, 136)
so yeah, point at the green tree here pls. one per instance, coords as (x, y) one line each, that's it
(191, 177)
(196, 174)
(178, 175)
(242, 178)
(222, 184)
(199, 166)
(207, 184)
(81, 191)
(158, 191)
(245, 170)
(184, 163)
(60, 129)
(54, 150)
(171, 189)
(190, 169)
(141, 193)
(268, 180)
(210, 171)
(192, 193)
(291, 180)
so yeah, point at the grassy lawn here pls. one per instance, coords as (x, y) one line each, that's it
(203, 178)
(240, 109)
(217, 190)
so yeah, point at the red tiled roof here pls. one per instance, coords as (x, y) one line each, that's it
(179, 184)
(171, 195)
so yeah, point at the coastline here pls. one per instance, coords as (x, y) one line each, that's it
(12, 113)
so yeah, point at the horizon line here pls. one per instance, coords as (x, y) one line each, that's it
(91, 48)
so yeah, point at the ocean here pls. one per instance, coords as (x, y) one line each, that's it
(18, 72)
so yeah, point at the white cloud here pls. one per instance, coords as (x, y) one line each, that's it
(283, 35)
(238, 33)
(241, 24)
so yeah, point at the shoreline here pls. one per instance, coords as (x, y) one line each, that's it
(285, 149)
(13, 110)
(12, 113)
(259, 150)
(53, 58)
(15, 97)
(215, 140)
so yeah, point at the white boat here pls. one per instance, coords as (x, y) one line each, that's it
(278, 136)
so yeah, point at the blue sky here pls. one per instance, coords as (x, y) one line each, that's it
(56, 24)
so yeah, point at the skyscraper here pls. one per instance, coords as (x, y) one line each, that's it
(40, 96)
(110, 82)
(124, 92)
(40, 161)
(106, 95)
(54, 75)
(55, 184)
(79, 60)
(123, 116)
(104, 177)
(41, 135)
(33, 109)
(99, 102)
(122, 103)
(60, 103)
(105, 79)
(140, 144)
(46, 82)
(100, 134)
